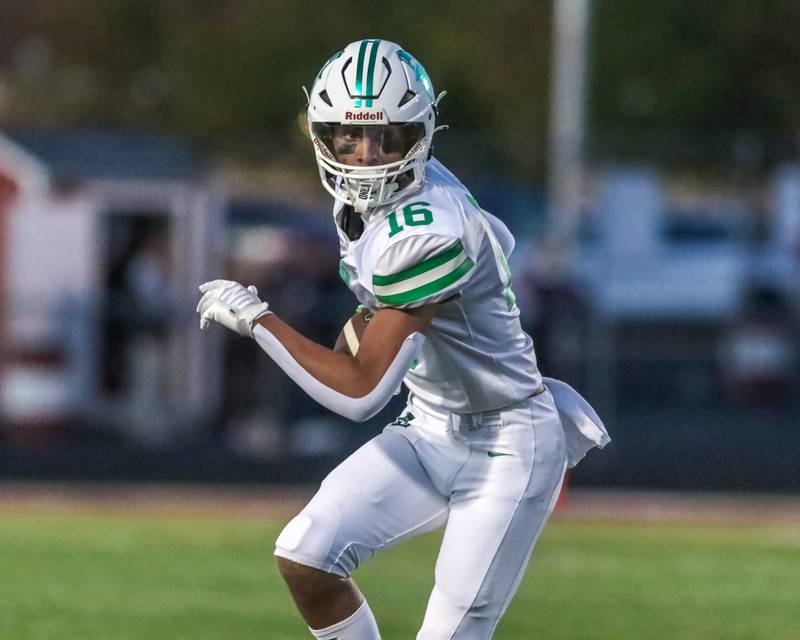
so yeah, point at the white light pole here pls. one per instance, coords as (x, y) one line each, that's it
(567, 117)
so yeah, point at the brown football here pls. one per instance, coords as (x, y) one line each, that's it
(357, 324)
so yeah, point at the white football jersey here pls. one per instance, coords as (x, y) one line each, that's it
(438, 245)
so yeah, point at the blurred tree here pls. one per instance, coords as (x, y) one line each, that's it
(229, 72)
(694, 69)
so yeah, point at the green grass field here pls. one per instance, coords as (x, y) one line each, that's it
(68, 575)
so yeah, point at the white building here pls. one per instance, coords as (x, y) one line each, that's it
(97, 231)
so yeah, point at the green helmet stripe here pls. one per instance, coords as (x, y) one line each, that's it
(325, 66)
(362, 54)
(360, 70)
(362, 50)
(371, 69)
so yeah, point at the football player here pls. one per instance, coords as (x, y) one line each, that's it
(481, 447)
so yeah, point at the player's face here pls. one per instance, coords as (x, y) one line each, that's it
(365, 146)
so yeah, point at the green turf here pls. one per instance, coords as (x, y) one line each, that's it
(67, 576)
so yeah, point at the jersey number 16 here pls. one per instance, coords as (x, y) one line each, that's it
(415, 214)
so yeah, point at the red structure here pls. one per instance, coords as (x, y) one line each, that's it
(8, 194)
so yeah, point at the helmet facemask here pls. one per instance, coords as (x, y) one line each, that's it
(368, 165)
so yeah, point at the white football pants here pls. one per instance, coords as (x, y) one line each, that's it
(493, 478)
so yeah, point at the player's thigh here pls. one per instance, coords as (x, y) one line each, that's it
(377, 497)
(495, 525)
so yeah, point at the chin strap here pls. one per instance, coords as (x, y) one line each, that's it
(360, 206)
(357, 409)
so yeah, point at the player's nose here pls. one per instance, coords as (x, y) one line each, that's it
(368, 152)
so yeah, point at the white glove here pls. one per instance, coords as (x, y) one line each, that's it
(230, 304)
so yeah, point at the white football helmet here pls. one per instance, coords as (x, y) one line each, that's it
(371, 117)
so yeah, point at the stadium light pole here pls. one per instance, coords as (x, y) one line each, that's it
(567, 133)
(567, 118)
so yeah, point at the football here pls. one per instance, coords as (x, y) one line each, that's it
(351, 333)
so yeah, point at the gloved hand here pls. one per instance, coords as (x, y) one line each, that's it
(230, 304)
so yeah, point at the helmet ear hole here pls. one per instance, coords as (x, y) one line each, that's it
(323, 95)
(408, 96)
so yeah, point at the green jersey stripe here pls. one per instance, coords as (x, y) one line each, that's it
(431, 263)
(371, 70)
(473, 201)
(360, 67)
(504, 264)
(429, 289)
(421, 279)
(343, 274)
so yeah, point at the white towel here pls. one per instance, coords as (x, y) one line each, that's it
(582, 426)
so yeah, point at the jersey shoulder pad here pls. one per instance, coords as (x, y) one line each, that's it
(421, 269)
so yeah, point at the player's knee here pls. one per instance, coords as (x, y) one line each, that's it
(294, 574)
(312, 539)
(291, 571)
(314, 591)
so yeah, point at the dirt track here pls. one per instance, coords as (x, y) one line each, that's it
(257, 502)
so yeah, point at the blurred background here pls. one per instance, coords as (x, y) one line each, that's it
(645, 154)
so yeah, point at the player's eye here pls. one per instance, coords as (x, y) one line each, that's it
(350, 134)
(392, 141)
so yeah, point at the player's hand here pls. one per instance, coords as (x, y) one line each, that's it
(232, 305)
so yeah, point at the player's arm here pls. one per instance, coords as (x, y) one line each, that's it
(353, 376)
(355, 387)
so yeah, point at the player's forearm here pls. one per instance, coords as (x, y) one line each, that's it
(338, 371)
(358, 408)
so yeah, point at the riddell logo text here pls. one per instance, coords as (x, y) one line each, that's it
(363, 115)
(323, 149)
